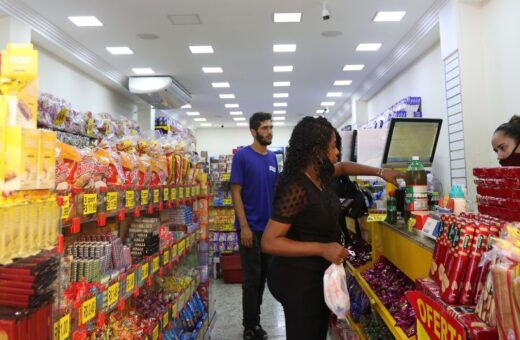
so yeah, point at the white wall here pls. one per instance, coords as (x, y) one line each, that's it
(63, 80)
(424, 78)
(218, 141)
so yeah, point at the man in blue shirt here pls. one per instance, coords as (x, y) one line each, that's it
(253, 175)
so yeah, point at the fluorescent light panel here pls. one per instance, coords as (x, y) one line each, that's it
(328, 103)
(320, 111)
(280, 95)
(287, 17)
(342, 82)
(281, 83)
(334, 94)
(278, 123)
(232, 106)
(235, 113)
(86, 21)
(220, 85)
(277, 48)
(117, 50)
(193, 113)
(242, 124)
(357, 67)
(239, 119)
(280, 104)
(368, 47)
(279, 118)
(205, 124)
(187, 106)
(389, 16)
(279, 112)
(287, 68)
(212, 70)
(227, 96)
(201, 49)
(143, 70)
(202, 119)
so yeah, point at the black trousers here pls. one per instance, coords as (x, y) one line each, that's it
(254, 273)
(300, 291)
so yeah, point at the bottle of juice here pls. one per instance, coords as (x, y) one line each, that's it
(391, 208)
(416, 187)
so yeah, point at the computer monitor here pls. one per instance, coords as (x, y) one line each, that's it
(409, 137)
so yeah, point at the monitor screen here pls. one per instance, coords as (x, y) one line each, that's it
(411, 137)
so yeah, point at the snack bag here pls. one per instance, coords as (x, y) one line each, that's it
(129, 164)
(114, 171)
(335, 290)
(145, 170)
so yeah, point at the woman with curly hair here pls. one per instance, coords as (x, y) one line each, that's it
(303, 232)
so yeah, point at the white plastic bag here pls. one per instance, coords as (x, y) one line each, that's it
(335, 290)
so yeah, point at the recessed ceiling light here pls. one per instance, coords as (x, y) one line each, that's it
(202, 119)
(287, 17)
(342, 82)
(280, 95)
(205, 124)
(389, 16)
(86, 21)
(316, 116)
(120, 50)
(279, 112)
(235, 113)
(239, 119)
(279, 118)
(187, 106)
(287, 68)
(227, 96)
(281, 83)
(368, 47)
(357, 67)
(280, 104)
(201, 49)
(334, 94)
(193, 113)
(242, 124)
(232, 106)
(212, 70)
(278, 123)
(216, 85)
(143, 70)
(328, 103)
(284, 48)
(320, 111)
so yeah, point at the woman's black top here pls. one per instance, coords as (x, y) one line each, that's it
(313, 215)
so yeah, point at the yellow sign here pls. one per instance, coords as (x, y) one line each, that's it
(166, 194)
(411, 223)
(227, 201)
(144, 197)
(65, 327)
(129, 199)
(130, 282)
(174, 311)
(88, 310)
(111, 201)
(166, 257)
(155, 196)
(174, 193)
(56, 331)
(187, 192)
(225, 177)
(155, 264)
(89, 204)
(113, 293)
(165, 320)
(181, 193)
(145, 270)
(376, 218)
(182, 246)
(155, 334)
(65, 207)
(174, 251)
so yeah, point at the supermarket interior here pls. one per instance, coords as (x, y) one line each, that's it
(132, 179)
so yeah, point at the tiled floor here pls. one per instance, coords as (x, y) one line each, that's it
(228, 302)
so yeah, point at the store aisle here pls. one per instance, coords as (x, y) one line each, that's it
(228, 304)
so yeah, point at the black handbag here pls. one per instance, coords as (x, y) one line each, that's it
(354, 201)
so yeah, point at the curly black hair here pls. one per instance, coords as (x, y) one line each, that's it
(309, 144)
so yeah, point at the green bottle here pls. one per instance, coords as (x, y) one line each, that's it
(391, 208)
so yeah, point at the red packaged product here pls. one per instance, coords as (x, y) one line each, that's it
(447, 250)
(438, 247)
(483, 270)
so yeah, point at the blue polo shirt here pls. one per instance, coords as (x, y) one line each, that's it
(257, 175)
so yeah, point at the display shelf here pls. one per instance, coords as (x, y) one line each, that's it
(353, 270)
(356, 327)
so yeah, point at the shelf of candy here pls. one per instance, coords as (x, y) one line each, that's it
(221, 219)
(375, 328)
(409, 107)
(222, 243)
(183, 215)
(359, 255)
(143, 238)
(498, 192)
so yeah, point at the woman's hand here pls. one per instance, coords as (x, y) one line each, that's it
(391, 176)
(334, 252)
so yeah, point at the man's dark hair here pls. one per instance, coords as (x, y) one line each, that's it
(257, 119)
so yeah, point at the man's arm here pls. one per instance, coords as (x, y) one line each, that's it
(246, 235)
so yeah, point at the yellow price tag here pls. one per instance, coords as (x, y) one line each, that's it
(182, 246)
(144, 197)
(155, 334)
(411, 223)
(174, 311)
(187, 192)
(166, 257)
(130, 282)
(88, 310)
(174, 194)
(165, 320)
(225, 177)
(174, 251)
(155, 264)
(65, 327)
(227, 201)
(145, 270)
(89, 204)
(181, 193)
(56, 331)
(155, 196)
(65, 207)
(166, 194)
(376, 218)
(129, 199)
(113, 293)
(111, 201)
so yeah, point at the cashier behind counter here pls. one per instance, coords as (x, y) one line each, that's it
(505, 142)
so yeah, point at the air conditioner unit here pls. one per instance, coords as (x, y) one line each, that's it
(162, 92)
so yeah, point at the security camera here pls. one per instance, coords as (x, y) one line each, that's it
(325, 14)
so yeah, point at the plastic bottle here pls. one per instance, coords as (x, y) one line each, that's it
(459, 203)
(391, 208)
(416, 187)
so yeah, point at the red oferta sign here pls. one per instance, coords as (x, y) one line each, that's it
(434, 319)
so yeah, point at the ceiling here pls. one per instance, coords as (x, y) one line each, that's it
(242, 34)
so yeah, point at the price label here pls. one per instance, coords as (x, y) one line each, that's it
(225, 177)
(145, 270)
(155, 196)
(411, 223)
(144, 197)
(174, 251)
(155, 264)
(56, 331)
(174, 194)
(165, 320)
(65, 207)
(65, 327)
(197, 188)
(88, 310)
(376, 218)
(113, 293)
(89, 204)
(155, 334)
(111, 201)
(193, 191)
(129, 199)
(166, 194)
(166, 257)
(187, 192)
(174, 311)
(181, 193)
(130, 282)
(227, 201)
(182, 246)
